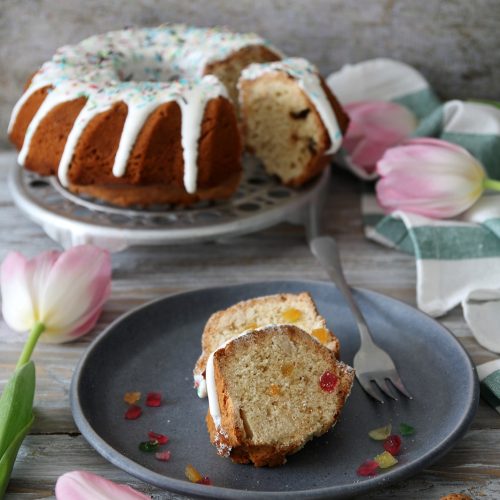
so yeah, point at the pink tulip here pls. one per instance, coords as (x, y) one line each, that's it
(430, 177)
(375, 126)
(61, 293)
(81, 485)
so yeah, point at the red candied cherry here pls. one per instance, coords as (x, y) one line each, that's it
(205, 480)
(133, 412)
(328, 381)
(368, 468)
(163, 456)
(393, 444)
(161, 438)
(153, 399)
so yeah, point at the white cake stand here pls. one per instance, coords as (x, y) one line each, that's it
(260, 202)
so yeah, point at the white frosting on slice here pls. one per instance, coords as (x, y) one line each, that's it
(307, 77)
(213, 400)
(200, 385)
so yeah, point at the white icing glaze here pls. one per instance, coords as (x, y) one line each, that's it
(200, 385)
(213, 400)
(111, 68)
(307, 77)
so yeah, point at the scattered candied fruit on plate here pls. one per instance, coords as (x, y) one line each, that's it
(381, 433)
(385, 460)
(195, 477)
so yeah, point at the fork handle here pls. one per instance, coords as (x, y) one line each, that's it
(324, 248)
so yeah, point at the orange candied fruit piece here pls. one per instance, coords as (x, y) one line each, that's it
(291, 315)
(321, 334)
(287, 369)
(192, 474)
(274, 390)
(131, 397)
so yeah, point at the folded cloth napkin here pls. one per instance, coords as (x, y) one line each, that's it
(457, 260)
(489, 376)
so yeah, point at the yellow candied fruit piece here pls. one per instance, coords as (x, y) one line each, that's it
(131, 397)
(381, 433)
(321, 334)
(251, 326)
(192, 474)
(291, 315)
(385, 460)
(287, 369)
(274, 390)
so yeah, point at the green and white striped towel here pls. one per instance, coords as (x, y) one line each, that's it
(457, 260)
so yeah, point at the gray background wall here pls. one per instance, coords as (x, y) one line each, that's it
(455, 43)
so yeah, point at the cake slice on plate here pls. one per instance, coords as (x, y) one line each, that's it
(270, 391)
(284, 308)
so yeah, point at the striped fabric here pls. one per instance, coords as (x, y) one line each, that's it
(489, 377)
(457, 260)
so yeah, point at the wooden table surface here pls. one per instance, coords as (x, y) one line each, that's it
(55, 446)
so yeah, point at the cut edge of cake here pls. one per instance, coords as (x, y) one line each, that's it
(265, 404)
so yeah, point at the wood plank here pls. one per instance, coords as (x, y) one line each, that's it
(472, 466)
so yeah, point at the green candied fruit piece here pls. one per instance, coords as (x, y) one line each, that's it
(406, 430)
(149, 446)
(381, 433)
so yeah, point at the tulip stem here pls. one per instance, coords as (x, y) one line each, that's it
(491, 184)
(36, 331)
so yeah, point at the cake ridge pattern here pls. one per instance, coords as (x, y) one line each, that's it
(102, 69)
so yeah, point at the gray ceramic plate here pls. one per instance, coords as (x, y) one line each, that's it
(154, 348)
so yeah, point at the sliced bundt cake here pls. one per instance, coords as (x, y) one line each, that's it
(298, 309)
(139, 116)
(270, 391)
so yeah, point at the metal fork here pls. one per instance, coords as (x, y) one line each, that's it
(371, 362)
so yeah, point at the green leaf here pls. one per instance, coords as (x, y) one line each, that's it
(9, 457)
(16, 417)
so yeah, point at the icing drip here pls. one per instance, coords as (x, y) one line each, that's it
(308, 80)
(213, 400)
(111, 68)
(200, 385)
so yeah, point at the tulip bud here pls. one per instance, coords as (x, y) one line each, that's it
(81, 485)
(63, 292)
(430, 177)
(374, 127)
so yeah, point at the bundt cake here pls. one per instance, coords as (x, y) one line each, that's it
(139, 115)
(298, 309)
(270, 391)
(291, 120)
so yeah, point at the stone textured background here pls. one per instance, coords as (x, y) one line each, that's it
(455, 43)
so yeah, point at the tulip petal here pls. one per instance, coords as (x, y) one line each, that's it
(41, 267)
(15, 282)
(429, 177)
(82, 485)
(75, 291)
(374, 127)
